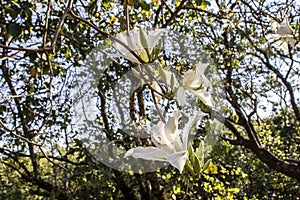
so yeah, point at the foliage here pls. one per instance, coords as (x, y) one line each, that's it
(45, 46)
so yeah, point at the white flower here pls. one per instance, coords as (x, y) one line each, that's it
(165, 78)
(140, 42)
(170, 145)
(196, 82)
(284, 34)
(230, 23)
(158, 93)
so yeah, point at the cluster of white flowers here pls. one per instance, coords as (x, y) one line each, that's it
(284, 34)
(171, 143)
(142, 43)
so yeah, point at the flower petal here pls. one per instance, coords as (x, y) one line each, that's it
(158, 136)
(157, 91)
(205, 97)
(285, 28)
(171, 128)
(132, 40)
(291, 40)
(200, 68)
(148, 153)
(190, 79)
(127, 55)
(181, 96)
(284, 46)
(172, 133)
(178, 160)
(274, 25)
(169, 75)
(187, 128)
(153, 36)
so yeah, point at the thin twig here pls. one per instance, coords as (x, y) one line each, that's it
(17, 135)
(61, 22)
(53, 42)
(47, 23)
(127, 16)
(179, 8)
(54, 163)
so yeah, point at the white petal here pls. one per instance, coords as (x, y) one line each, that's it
(285, 28)
(148, 153)
(132, 41)
(128, 56)
(181, 96)
(189, 78)
(172, 133)
(169, 77)
(178, 160)
(274, 37)
(158, 136)
(157, 91)
(201, 67)
(171, 128)
(205, 97)
(274, 25)
(291, 40)
(153, 36)
(123, 38)
(284, 45)
(187, 128)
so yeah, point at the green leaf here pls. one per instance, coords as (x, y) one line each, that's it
(191, 154)
(144, 5)
(68, 53)
(13, 11)
(189, 167)
(162, 74)
(206, 165)
(197, 165)
(122, 22)
(156, 50)
(200, 151)
(14, 29)
(32, 56)
(204, 4)
(144, 41)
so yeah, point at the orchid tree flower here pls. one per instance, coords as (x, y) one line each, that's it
(284, 34)
(195, 81)
(165, 83)
(144, 44)
(158, 92)
(171, 144)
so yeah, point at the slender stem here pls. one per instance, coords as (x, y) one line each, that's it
(61, 22)
(107, 35)
(157, 108)
(47, 23)
(127, 16)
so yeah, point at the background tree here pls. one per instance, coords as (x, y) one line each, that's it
(43, 45)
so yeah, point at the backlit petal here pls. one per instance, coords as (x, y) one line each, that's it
(148, 153)
(178, 160)
(187, 128)
(181, 96)
(205, 97)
